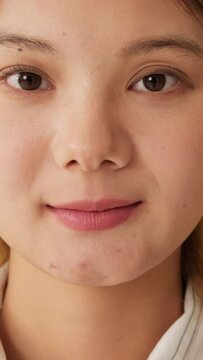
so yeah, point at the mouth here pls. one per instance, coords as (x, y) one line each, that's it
(94, 217)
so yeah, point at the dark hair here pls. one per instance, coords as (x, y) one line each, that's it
(192, 249)
(194, 7)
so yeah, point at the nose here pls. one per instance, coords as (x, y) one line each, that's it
(89, 138)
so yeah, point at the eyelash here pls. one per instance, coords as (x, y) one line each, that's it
(16, 69)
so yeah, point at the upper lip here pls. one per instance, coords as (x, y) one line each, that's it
(101, 205)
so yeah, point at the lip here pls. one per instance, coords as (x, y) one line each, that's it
(105, 214)
(101, 205)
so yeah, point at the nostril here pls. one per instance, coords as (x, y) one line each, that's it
(111, 164)
(72, 162)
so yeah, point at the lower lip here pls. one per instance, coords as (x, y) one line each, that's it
(93, 220)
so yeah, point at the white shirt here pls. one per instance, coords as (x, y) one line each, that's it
(182, 341)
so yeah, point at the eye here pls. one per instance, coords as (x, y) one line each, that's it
(155, 83)
(25, 79)
(28, 81)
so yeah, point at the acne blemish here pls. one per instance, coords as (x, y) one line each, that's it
(64, 33)
(52, 266)
(83, 266)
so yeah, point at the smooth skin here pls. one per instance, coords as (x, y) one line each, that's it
(91, 131)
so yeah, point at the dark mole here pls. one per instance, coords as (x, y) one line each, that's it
(19, 49)
(184, 205)
(51, 266)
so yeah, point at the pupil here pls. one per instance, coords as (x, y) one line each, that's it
(29, 81)
(155, 82)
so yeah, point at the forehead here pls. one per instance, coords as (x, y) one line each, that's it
(75, 25)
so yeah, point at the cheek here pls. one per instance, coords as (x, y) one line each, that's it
(169, 142)
(18, 163)
(21, 147)
(175, 159)
(181, 162)
(21, 153)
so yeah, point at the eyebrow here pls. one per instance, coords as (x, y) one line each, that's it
(146, 46)
(133, 48)
(30, 43)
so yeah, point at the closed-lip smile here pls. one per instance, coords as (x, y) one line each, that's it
(94, 216)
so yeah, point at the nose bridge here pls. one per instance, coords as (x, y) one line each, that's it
(87, 132)
(89, 124)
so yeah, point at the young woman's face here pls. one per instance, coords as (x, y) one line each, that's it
(94, 124)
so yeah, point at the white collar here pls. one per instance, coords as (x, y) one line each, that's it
(175, 343)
